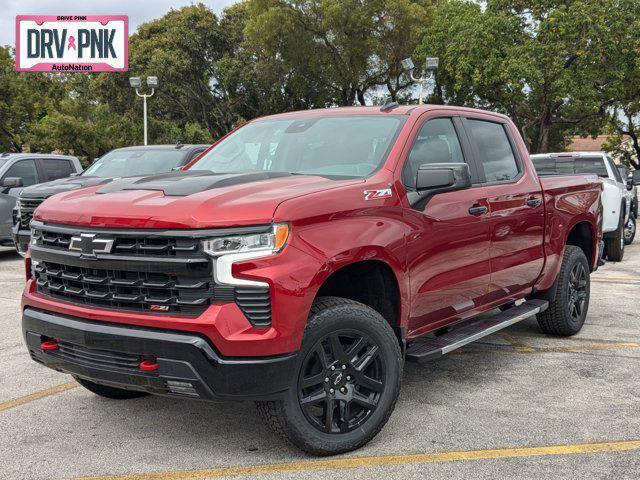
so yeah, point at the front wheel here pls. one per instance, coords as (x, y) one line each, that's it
(347, 380)
(630, 230)
(568, 309)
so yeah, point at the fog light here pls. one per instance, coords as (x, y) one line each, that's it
(181, 388)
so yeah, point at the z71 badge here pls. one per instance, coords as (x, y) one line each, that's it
(376, 194)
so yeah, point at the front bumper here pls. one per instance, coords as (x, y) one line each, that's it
(187, 364)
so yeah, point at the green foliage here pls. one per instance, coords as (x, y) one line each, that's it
(336, 50)
(23, 101)
(541, 62)
(558, 68)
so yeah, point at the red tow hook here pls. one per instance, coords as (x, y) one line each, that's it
(49, 345)
(148, 365)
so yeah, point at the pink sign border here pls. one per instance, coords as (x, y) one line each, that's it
(97, 67)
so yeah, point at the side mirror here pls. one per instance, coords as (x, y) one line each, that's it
(11, 182)
(636, 177)
(435, 178)
(629, 183)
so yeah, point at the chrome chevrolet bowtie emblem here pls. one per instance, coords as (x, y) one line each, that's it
(89, 245)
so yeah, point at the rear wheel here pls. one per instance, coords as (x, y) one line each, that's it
(630, 230)
(568, 309)
(347, 380)
(109, 392)
(615, 244)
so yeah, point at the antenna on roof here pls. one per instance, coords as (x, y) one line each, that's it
(179, 145)
(389, 104)
(5, 154)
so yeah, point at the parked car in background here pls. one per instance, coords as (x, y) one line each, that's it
(632, 193)
(303, 258)
(121, 162)
(615, 199)
(21, 170)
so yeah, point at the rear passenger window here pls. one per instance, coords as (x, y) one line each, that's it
(498, 161)
(437, 142)
(56, 168)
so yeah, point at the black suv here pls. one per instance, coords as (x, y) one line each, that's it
(118, 163)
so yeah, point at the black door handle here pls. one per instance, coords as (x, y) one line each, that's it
(534, 202)
(478, 210)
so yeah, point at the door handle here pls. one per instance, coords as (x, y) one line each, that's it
(478, 210)
(534, 202)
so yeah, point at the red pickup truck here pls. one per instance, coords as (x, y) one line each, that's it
(303, 258)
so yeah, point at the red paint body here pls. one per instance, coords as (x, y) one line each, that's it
(449, 265)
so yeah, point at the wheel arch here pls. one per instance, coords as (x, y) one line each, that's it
(369, 279)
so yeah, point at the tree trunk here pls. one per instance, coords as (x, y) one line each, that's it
(636, 147)
(544, 131)
(360, 96)
(543, 137)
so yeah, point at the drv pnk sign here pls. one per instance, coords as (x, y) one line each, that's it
(72, 43)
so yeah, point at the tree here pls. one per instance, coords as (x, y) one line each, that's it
(623, 77)
(339, 49)
(23, 101)
(541, 62)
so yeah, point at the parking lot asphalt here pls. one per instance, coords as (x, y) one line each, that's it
(519, 404)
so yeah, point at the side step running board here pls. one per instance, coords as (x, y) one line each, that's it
(425, 349)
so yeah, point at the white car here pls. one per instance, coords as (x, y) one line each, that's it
(615, 199)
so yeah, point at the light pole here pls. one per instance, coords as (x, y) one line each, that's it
(152, 83)
(430, 70)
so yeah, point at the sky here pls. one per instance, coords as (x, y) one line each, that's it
(139, 11)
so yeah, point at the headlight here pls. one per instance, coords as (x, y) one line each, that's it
(268, 242)
(239, 248)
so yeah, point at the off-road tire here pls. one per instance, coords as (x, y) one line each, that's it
(109, 392)
(630, 230)
(557, 319)
(615, 244)
(285, 416)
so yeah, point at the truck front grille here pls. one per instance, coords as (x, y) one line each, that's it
(151, 292)
(154, 273)
(27, 207)
(143, 246)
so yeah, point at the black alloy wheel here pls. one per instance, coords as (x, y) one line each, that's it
(577, 297)
(341, 381)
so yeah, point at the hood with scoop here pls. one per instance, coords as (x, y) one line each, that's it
(189, 199)
(45, 190)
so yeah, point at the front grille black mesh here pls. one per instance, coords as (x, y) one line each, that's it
(155, 273)
(27, 207)
(133, 246)
(151, 292)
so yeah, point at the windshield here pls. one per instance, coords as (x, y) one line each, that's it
(340, 146)
(134, 163)
(570, 165)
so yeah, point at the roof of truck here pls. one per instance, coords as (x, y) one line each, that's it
(379, 110)
(174, 146)
(13, 156)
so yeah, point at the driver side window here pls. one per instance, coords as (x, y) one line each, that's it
(436, 142)
(25, 169)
